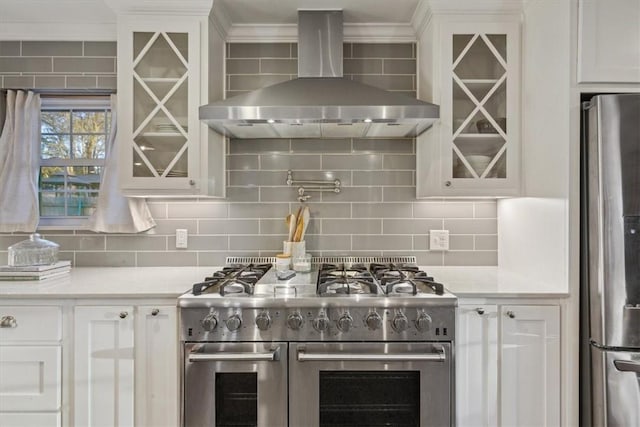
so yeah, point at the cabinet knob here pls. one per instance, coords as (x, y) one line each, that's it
(155, 312)
(8, 322)
(511, 314)
(123, 314)
(192, 182)
(447, 183)
(480, 311)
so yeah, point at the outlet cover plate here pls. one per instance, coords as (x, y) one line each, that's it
(439, 240)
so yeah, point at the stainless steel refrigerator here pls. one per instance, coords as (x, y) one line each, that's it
(611, 186)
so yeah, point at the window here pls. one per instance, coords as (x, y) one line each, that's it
(73, 150)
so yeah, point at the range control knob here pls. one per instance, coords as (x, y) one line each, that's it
(209, 323)
(263, 321)
(345, 322)
(423, 322)
(321, 323)
(234, 322)
(294, 321)
(400, 322)
(373, 321)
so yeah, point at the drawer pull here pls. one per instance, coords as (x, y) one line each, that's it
(123, 314)
(8, 322)
(155, 312)
(511, 314)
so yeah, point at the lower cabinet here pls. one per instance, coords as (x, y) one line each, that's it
(508, 365)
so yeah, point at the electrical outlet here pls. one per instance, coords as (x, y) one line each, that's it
(439, 240)
(182, 236)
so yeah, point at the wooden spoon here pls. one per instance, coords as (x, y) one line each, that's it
(291, 223)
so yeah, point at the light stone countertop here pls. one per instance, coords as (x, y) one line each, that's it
(171, 282)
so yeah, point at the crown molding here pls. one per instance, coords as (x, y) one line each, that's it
(37, 31)
(471, 7)
(220, 19)
(288, 33)
(161, 7)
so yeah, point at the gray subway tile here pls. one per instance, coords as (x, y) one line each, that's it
(399, 66)
(289, 162)
(362, 66)
(258, 210)
(18, 82)
(229, 226)
(242, 162)
(243, 194)
(158, 210)
(471, 258)
(329, 210)
(9, 48)
(257, 243)
(105, 259)
(278, 194)
(486, 210)
(409, 93)
(382, 50)
(399, 161)
(338, 145)
(10, 64)
(51, 48)
(327, 242)
(167, 259)
(232, 93)
(252, 82)
(81, 82)
(381, 210)
(205, 243)
(244, 146)
(107, 82)
(486, 243)
(351, 226)
(197, 210)
(136, 243)
(81, 243)
(429, 258)
(324, 175)
(354, 194)
(398, 145)
(387, 82)
(259, 50)
(169, 226)
(471, 226)
(278, 66)
(7, 240)
(399, 194)
(352, 161)
(386, 242)
(383, 178)
(443, 210)
(100, 49)
(213, 259)
(421, 243)
(84, 65)
(47, 82)
(257, 178)
(67, 256)
(347, 49)
(410, 226)
(279, 226)
(243, 66)
(457, 243)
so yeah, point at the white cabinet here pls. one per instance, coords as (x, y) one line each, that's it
(508, 365)
(609, 41)
(530, 354)
(30, 365)
(103, 366)
(162, 80)
(475, 149)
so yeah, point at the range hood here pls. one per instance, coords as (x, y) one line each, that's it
(320, 103)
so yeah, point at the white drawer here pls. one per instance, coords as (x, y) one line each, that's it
(30, 323)
(30, 378)
(16, 419)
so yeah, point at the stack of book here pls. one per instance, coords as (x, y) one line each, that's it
(35, 272)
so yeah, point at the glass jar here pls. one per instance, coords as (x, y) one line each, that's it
(283, 262)
(34, 251)
(302, 263)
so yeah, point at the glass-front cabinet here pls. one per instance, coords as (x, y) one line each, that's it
(478, 150)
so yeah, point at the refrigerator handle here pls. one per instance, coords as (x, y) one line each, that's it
(627, 366)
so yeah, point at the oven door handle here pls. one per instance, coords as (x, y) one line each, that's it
(438, 356)
(272, 356)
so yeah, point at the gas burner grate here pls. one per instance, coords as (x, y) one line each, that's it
(344, 279)
(235, 279)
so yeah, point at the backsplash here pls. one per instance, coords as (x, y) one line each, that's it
(375, 214)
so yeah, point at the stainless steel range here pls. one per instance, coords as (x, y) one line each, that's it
(354, 342)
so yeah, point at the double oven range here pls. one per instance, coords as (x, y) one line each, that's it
(354, 342)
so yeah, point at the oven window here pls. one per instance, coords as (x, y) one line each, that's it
(237, 399)
(363, 398)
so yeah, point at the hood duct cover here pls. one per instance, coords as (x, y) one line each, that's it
(320, 103)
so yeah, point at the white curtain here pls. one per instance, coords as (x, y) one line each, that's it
(19, 163)
(114, 212)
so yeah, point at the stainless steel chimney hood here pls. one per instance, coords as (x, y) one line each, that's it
(320, 103)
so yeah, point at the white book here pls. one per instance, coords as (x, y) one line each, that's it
(26, 276)
(35, 268)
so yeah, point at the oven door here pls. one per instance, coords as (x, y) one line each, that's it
(370, 384)
(235, 384)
